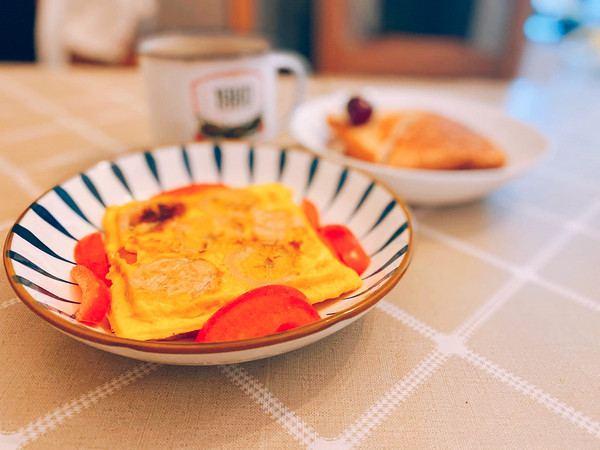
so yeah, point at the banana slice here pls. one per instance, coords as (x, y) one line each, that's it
(264, 263)
(273, 225)
(176, 276)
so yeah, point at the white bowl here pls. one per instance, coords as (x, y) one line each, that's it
(38, 253)
(523, 145)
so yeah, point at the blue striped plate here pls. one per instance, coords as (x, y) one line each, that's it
(38, 253)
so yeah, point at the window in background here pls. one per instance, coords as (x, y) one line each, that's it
(562, 34)
(552, 19)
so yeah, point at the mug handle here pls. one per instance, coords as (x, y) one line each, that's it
(299, 67)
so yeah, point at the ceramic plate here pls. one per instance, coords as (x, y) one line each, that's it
(38, 253)
(523, 145)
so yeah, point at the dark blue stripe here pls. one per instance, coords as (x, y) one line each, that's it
(92, 188)
(119, 174)
(186, 162)
(282, 158)
(21, 259)
(341, 182)
(251, 163)
(314, 165)
(56, 310)
(152, 165)
(19, 230)
(25, 282)
(364, 197)
(71, 204)
(382, 216)
(389, 261)
(377, 283)
(218, 154)
(397, 233)
(49, 218)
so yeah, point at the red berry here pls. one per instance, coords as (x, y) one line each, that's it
(359, 110)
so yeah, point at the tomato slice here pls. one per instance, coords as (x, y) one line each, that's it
(89, 252)
(311, 212)
(95, 298)
(191, 189)
(260, 312)
(345, 247)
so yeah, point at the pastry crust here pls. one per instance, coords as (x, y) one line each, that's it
(417, 139)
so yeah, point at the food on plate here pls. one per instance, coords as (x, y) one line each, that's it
(95, 295)
(412, 139)
(339, 239)
(260, 312)
(359, 110)
(89, 252)
(344, 245)
(191, 189)
(177, 258)
(311, 213)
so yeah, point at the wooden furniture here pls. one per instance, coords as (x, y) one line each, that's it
(339, 49)
(242, 15)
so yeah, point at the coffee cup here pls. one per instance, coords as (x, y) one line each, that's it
(214, 86)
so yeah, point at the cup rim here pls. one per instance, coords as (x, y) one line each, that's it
(257, 46)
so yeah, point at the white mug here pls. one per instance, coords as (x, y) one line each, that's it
(205, 87)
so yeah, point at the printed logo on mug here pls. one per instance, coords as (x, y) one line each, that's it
(204, 87)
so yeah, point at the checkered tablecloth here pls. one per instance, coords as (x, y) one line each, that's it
(492, 338)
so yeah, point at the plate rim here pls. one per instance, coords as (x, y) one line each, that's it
(192, 348)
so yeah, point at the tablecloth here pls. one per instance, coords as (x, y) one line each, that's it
(491, 339)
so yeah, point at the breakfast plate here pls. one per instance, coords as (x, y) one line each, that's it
(522, 145)
(38, 252)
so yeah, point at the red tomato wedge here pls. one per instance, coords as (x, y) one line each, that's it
(191, 189)
(260, 312)
(345, 247)
(311, 213)
(95, 298)
(89, 252)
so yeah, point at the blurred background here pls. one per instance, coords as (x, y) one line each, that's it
(490, 38)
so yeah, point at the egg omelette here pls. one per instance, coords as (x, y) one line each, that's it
(176, 259)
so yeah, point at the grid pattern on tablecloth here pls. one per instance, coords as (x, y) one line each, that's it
(456, 343)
